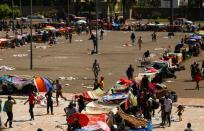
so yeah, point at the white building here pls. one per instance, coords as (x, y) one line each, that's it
(176, 3)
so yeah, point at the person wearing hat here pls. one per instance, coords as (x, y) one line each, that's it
(8, 108)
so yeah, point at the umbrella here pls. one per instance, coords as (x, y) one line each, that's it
(82, 119)
(81, 22)
(200, 33)
(43, 84)
(62, 29)
(49, 28)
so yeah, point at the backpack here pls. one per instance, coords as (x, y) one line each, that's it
(155, 105)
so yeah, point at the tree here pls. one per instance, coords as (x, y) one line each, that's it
(4, 11)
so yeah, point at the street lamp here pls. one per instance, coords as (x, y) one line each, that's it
(31, 35)
(96, 26)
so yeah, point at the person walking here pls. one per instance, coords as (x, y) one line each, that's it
(70, 37)
(96, 69)
(58, 87)
(94, 39)
(31, 100)
(140, 42)
(198, 77)
(48, 95)
(130, 72)
(8, 108)
(154, 36)
(133, 38)
(167, 110)
(101, 34)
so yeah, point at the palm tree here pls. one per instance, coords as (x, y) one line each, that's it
(127, 4)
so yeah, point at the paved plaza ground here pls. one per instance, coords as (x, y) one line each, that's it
(74, 60)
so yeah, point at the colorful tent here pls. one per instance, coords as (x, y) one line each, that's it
(200, 33)
(43, 84)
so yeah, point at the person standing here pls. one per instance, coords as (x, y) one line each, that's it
(140, 42)
(70, 37)
(202, 69)
(94, 39)
(197, 77)
(154, 36)
(133, 38)
(96, 69)
(130, 72)
(101, 34)
(81, 103)
(59, 91)
(193, 70)
(48, 95)
(31, 100)
(8, 108)
(167, 110)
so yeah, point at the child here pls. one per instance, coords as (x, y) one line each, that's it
(180, 109)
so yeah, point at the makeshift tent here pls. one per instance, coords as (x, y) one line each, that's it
(98, 107)
(93, 95)
(43, 84)
(17, 81)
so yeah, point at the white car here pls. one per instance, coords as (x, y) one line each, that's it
(181, 21)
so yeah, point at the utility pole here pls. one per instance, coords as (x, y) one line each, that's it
(171, 18)
(13, 15)
(31, 35)
(96, 26)
(68, 11)
(21, 17)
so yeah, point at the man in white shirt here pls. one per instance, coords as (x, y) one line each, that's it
(167, 109)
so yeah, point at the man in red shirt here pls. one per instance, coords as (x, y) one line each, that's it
(31, 100)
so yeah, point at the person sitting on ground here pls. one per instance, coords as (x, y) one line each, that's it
(188, 127)
(70, 110)
(76, 125)
(101, 83)
(146, 55)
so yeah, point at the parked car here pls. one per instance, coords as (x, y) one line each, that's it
(182, 21)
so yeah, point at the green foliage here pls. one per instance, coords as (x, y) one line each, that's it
(4, 11)
(16, 12)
